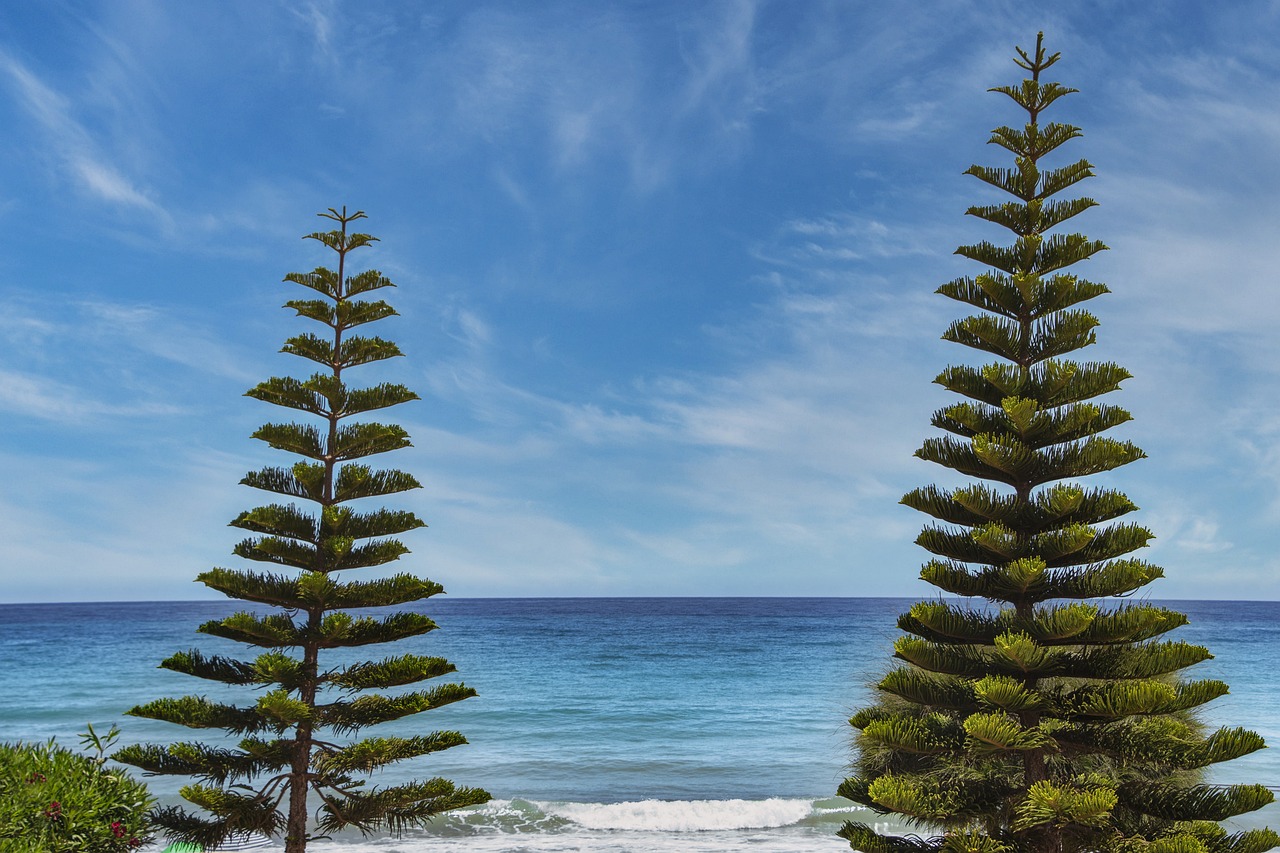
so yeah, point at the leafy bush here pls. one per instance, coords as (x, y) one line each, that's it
(53, 800)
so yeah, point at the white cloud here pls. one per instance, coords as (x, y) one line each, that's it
(108, 183)
(718, 55)
(89, 361)
(475, 331)
(320, 22)
(779, 437)
(592, 424)
(913, 118)
(137, 533)
(1202, 535)
(152, 331)
(74, 145)
(49, 399)
(478, 542)
(848, 237)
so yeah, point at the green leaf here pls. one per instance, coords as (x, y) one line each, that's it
(272, 631)
(914, 799)
(999, 732)
(930, 689)
(216, 668)
(1032, 95)
(396, 809)
(1022, 652)
(279, 520)
(864, 838)
(238, 812)
(390, 672)
(284, 552)
(372, 554)
(318, 395)
(359, 481)
(382, 592)
(359, 440)
(1056, 805)
(940, 622)
(1050, 383)
(1007, 693)
(343, 521)
(374, 753)
(212, 764)
(1103, 580)
(1132, 623)
(342, 242)
(357, 313)
(941, 658)
(296, 438)
(972, 841)
(1196, 802)
(367, 281)
(284, 710)
(933, 734)
(321, 279)
(303, 480)
(339, 629)
(381, 396)
(313, 309)
(1032, 217)
(352, 351)
(199, 713)
(349, 716)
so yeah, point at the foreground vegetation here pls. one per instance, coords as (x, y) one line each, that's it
(53, 800)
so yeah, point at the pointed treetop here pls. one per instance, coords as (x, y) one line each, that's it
(341, 241)
(1032, 95)
(344, 218)
(1035, 66)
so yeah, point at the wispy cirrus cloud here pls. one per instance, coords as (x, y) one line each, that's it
(48, 399)
(79, 155)
(95, 359)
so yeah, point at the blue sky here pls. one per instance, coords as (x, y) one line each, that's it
(666, 276)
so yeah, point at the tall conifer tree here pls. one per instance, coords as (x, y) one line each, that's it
(1048, 721)
(286, 757)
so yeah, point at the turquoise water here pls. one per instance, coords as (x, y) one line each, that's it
(637, 725)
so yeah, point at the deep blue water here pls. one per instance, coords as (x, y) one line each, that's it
(601, 724)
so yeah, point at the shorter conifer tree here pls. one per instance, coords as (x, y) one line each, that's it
(286, 759)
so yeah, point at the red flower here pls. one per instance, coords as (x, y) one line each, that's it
(36, 777)
(53, 811)
(117, 829)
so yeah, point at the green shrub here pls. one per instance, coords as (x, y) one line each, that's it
(53, 800)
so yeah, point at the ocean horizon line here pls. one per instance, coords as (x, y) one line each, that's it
(447, 597)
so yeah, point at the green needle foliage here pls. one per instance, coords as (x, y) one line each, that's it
(1047, 720)
(285, 754)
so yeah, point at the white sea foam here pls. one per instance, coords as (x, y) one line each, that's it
(683, 815)
(622, 842)
(652, 826)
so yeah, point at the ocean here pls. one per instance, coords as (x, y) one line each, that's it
(632, 725)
